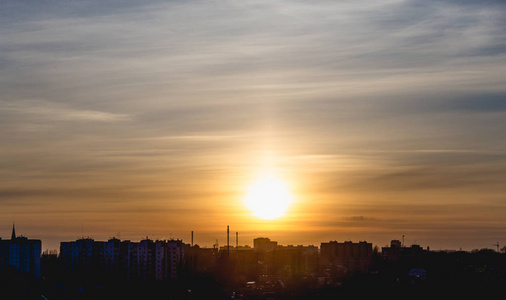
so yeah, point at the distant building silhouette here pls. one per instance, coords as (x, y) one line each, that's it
(293, 262)
(200, 260)
(347, 256)
(236, 248)
(397, 252)
(264, 244)
(145, 260)
(20, 254)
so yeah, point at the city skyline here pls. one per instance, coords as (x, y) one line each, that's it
(377, 119)
(232, 240)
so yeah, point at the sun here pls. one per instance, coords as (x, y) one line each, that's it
(268, 198)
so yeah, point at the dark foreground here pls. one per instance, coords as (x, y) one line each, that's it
(439, 275)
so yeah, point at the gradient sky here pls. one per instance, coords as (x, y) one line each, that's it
(136, 118)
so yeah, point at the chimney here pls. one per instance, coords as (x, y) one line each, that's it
(228, 240)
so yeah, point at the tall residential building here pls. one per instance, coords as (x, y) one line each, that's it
(20, 254)
(264, 244)
(81, 255)
(347, 256)
(145, 260)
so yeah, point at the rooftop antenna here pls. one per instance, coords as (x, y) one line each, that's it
(236, 241)
(402, 241)
(192, 239)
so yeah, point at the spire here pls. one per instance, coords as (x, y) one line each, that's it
(13, 236)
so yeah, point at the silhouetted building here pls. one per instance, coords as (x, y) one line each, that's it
(292, 262)
(113, 256)
(395, 244)
(306, 250)
(169, 256)
(264, 244)
(346, 257)
(80, 255)
(145, 260)
(396, 252)
(238, 248)
(20, 254)
(200, 260)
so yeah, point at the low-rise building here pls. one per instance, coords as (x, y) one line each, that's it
(397, 252)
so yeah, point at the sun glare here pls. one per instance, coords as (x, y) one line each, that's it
(268, 198)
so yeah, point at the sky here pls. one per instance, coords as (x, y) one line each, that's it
(152, 118)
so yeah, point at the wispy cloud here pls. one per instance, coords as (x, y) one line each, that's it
(361, 97)
(47, 112)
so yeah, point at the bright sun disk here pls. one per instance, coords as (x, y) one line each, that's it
(268, 198)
